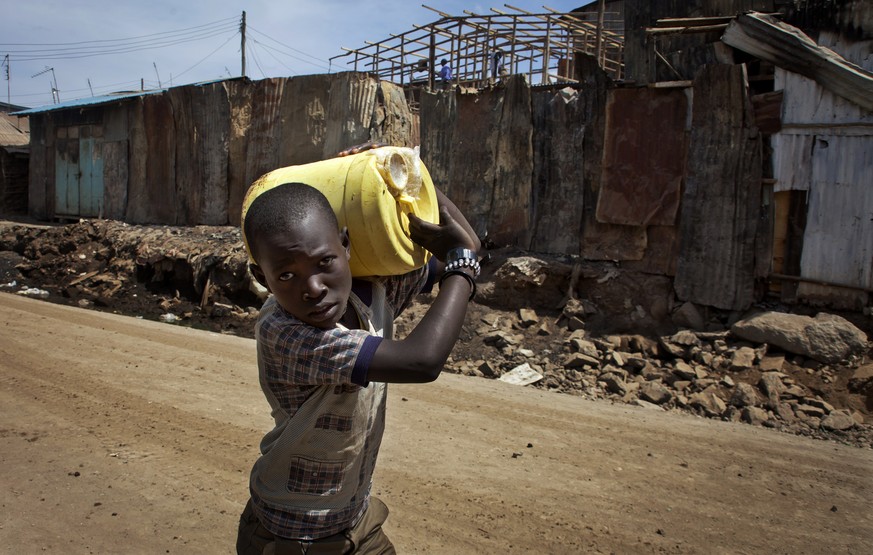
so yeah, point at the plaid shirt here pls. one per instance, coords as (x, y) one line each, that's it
(313, 477)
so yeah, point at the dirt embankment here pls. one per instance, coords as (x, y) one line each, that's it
(578, 328)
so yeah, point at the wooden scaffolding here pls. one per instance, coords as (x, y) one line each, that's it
(541, 46)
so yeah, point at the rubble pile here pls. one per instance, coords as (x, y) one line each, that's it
(589, 329)
(711, 374)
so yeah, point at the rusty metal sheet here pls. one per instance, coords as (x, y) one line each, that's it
(210, 112)
(721, 201)
(559, 124)
(644, 156)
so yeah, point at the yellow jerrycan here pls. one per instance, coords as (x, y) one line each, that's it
(371, 193)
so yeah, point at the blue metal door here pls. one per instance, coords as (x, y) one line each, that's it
(67, 177)
(90, 178)
(79, 178)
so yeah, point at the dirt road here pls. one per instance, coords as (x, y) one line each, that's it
(118, 434)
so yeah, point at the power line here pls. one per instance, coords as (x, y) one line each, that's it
(208, 55)
(73, 54)
(267, 46)
(288, 47)
(292, 70)
(220, 21)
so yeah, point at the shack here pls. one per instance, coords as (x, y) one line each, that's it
(14, 154)
(186, 155)
(702, 156)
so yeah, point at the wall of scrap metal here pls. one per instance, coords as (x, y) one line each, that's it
(186, 156)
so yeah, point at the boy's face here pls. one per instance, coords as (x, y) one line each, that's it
(307, 270)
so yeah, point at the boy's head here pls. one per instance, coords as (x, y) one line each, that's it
(299, 253)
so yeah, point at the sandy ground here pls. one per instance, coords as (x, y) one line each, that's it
(124, 435)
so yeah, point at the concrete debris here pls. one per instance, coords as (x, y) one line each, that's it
(797, 374)
(827, 337)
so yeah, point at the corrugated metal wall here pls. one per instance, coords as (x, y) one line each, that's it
(825, 148)
(187, 155)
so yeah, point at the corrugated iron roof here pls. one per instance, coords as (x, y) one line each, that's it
(90, 101)
(106, 99)
(10, 134)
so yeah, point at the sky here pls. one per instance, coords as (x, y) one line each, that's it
(62, 50)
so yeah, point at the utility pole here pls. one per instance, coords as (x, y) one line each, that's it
(242, 31)
(8, 82)
(160, 86)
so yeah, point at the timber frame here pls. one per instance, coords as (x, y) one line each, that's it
(541, 46)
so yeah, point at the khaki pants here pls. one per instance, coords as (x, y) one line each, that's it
(366, 537)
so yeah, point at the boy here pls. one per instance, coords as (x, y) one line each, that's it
(325, 353)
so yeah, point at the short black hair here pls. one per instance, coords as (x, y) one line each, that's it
(283, 207)
(444, 61)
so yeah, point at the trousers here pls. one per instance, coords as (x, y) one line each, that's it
(366, 537)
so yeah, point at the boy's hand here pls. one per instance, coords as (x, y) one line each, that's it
(442, 237)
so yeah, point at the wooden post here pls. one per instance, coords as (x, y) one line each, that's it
(598, 52)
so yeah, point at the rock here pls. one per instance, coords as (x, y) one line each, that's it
(650, 372)
(672, 349)
(687, 316)
(584, 347)
(795, 391)
(655, 392)
(681, 385)
(786, 412)
(810, 410)
(755, 416)
(838, 421)
(685, 338)
(528, 317)
(614, 383)
(772, 386)
(827, 338)
(862, 378)
(644, 345)
(772, 362)
(684, 371)
(578, 360)
(743, 359)
(823, 405)
(745, 395)
(487, 370)
(544, 329)
(709, 401)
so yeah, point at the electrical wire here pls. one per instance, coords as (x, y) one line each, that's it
(278, 61)
(235, 20)
(267, 46)
(208, 55)
(289, 48)
(254, 57)
(60, 55)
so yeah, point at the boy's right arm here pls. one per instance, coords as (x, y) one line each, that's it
(421, 355)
